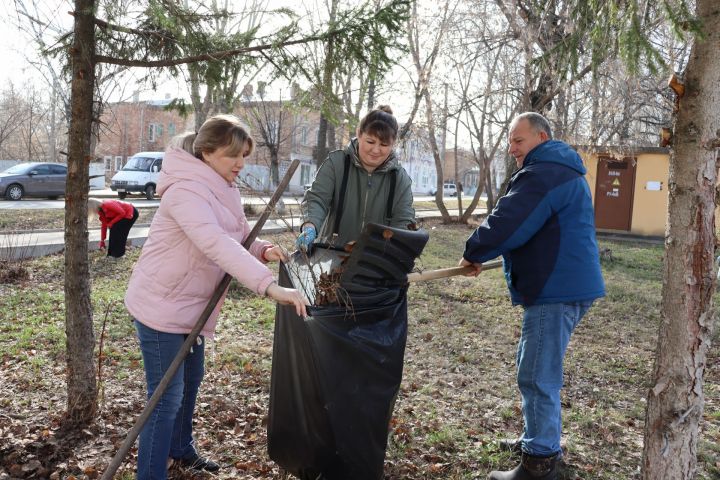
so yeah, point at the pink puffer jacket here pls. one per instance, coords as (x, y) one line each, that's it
(195, 236)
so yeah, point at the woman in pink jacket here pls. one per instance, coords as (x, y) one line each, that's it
(195, 237)
(117, 216)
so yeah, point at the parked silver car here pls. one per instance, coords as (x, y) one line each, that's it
(33, 180)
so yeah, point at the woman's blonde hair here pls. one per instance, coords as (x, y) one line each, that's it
(93, 205)
(184, 141)
(219, 131)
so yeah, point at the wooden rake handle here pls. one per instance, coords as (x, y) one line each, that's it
(449, 272)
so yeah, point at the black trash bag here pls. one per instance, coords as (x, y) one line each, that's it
(300, 438)
(335, 378)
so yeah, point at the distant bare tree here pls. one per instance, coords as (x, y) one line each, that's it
(427, 30)
(13, 114)
(270, 119)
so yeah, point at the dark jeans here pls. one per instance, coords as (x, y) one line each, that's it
(119, 234)
(168, 431)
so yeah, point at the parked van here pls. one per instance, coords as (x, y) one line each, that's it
(139, 174)
(449, 190)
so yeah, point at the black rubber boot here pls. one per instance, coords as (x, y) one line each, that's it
(199, 463)
(530, 468)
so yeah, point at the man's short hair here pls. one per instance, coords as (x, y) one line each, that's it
(536, 121)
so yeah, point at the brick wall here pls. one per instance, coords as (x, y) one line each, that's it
(132, 127)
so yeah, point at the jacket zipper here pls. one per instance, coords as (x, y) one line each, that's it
(367, 193)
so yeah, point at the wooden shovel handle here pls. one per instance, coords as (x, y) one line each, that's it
(448, 272)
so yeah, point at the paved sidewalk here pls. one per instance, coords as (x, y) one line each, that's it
(138, 201)
(40, 243)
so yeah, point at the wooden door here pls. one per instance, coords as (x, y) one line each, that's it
(614, 193)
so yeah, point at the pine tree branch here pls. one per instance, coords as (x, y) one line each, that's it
(553, 93)
(132, 31)
(214, 56)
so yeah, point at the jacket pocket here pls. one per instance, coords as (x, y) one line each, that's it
(200, 283)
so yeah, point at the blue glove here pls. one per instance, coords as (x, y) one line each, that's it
(306, 238)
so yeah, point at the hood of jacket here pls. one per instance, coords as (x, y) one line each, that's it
(392, 162)
(179, 166)
(553, 151)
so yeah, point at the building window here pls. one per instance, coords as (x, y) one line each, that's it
(305, 172)
(108, 159)
(171, 129)
(303, 135)
(118, 163)
(155, 131)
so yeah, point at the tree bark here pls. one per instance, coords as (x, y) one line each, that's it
(274, 168)
(436, 155)
(80, 343)
(276, 137)
(676, 400)
(320, 151)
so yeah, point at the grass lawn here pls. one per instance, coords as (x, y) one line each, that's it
(52, 219)
(449, 203)
(457, 398)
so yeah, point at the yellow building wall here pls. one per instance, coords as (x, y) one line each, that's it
(649, 210)
(649, 215)
(590, 160)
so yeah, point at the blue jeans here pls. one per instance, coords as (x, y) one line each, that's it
(545, 336)
(168, 431)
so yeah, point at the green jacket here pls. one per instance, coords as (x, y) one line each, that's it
(366, 196)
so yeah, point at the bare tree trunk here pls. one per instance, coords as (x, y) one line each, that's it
(458, 184)
(320, 151)
(561, 114)
(489, 190)
(594, 119)
(371, 92)
(82, 388)
(424, 68)
(31, 125)
(53, 123)
(436, 154)
(274, 168)
(331, 138)
(201, 107)
(676, 400)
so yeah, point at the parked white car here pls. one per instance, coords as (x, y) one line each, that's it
(449, 190)
(139, 174)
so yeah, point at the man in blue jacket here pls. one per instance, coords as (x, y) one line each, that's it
(544, 228)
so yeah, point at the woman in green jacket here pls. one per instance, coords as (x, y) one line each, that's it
(364, 183)
(363, 357)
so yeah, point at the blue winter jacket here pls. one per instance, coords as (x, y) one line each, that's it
(544, 228)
